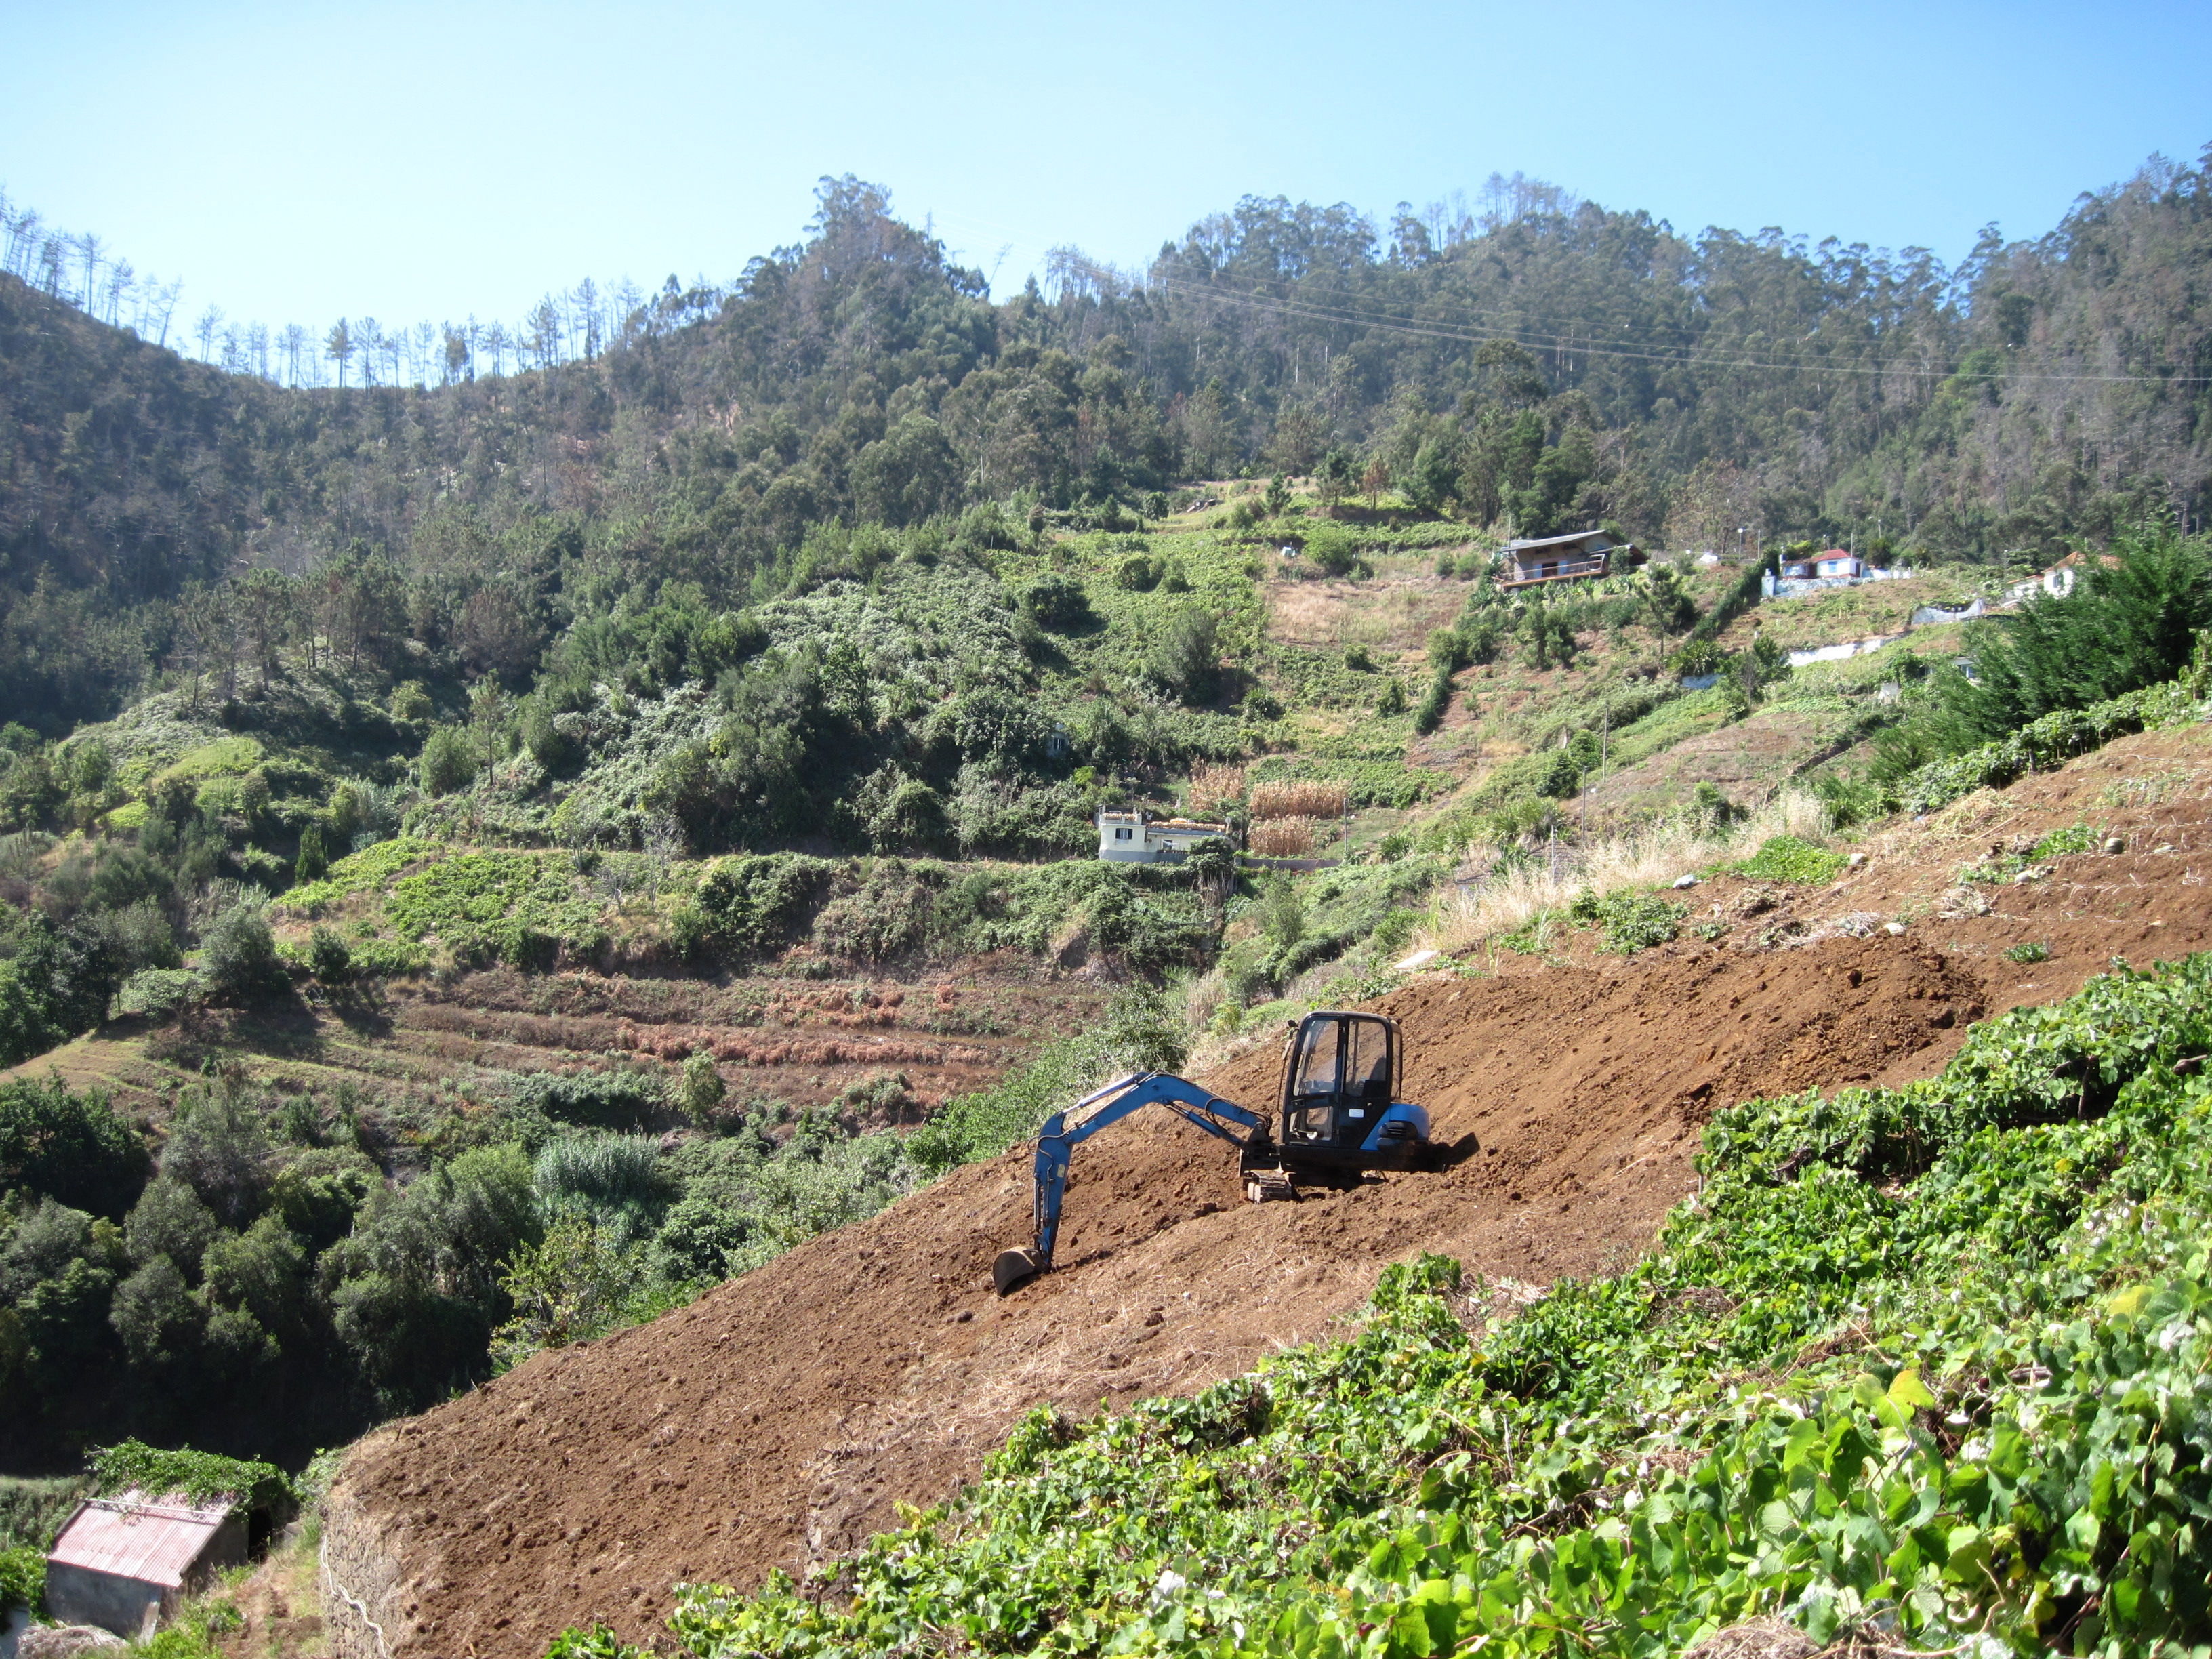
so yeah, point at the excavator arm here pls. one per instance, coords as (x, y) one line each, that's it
(1059, 1137)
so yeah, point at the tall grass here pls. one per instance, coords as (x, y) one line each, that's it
(1518, 889)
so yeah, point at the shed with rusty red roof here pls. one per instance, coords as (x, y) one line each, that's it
(122, 1562)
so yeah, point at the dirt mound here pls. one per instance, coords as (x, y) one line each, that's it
(775, 1421)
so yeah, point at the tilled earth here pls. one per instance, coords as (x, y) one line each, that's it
(776, 1422)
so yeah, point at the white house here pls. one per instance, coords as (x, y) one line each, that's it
(1831, 566)
(1134, 838)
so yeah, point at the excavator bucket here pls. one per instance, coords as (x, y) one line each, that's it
(1015, 1267)
(1268, 1185)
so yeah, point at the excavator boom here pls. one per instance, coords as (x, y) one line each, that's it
(1337, 1116)
(1110, 1104)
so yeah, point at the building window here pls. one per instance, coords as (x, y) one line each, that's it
(1122, 834)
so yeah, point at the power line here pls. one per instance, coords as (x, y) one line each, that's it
(1312, 311)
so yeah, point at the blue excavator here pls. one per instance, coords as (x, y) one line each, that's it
(1339, 1114)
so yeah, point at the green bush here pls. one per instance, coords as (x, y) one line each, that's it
(1434, 702)
(328, 958)
(312, 863)
(22, 1579)
(238, 954)
(1630, 922)
(753, 904)
(1785, 858)
(73, 1148)
(603, 1100)
(1055, 602)
(160, 993)
(510, 907)
(2047, 743)
(701, 1090)
(447, 762)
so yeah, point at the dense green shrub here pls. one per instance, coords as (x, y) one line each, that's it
(446, 762)
(2047, 743)
(56, 985)
(753, 903)
(600, 1100)
(328, 958)
(1785, 858)
(70, 1147)
(511, 907)
(22, 1579)
(2128, 624)
(1055, 602)
(615, 1178)
(238, 954)
(1630, 922)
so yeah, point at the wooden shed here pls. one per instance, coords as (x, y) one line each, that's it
(1563, 558)
(127, 1563)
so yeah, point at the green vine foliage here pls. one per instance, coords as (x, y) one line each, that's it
(1922, 1369)
(2050, 742)
(202, 1477)
(1786, 858)
(22, 1579)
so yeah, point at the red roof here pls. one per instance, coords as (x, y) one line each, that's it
(136, 1537)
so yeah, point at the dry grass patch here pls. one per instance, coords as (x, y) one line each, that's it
(1505, 901)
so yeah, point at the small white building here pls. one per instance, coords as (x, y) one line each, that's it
(1137, 838)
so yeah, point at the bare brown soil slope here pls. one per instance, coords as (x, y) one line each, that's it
(775, 1422)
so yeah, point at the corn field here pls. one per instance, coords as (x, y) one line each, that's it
(1214, 787)
(1299, 800)
(1283, 838)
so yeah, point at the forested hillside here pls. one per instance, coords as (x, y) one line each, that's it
(1541, 364)
(495, 847)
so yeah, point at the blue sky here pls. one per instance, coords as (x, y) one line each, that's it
(409, 161)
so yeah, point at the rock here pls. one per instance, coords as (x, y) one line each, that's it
(1857, 860)
(1765, 1637)
(64, 1641)
(1894, 929)
(1685, 881)
(2116, 844)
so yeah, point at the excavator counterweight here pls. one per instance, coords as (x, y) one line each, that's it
(1336, 1115)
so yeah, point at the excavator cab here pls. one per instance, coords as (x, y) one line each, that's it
(1339, 1105)
(1337, 1080)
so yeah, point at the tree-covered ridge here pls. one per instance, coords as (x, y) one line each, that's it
(1546, 364)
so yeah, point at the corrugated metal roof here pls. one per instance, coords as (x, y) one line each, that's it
(1556, 541)
(155, 1542)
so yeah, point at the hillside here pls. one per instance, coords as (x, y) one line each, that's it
(1583, 1087)
(541, 910)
